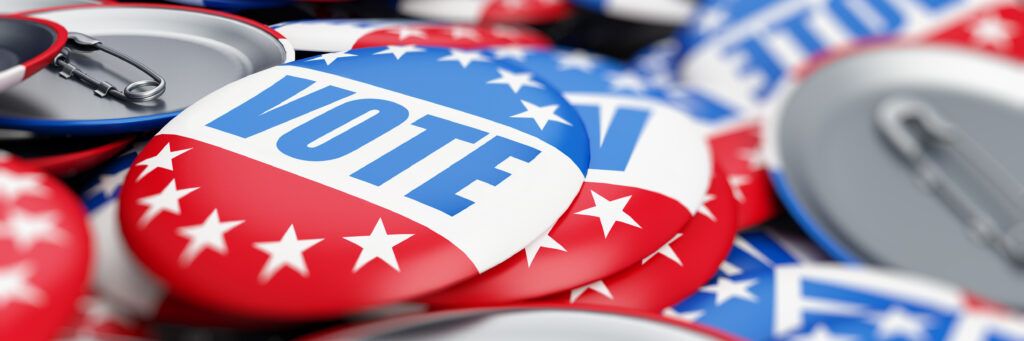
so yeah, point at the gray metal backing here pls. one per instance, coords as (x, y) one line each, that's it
(863, 195)
(196, 52)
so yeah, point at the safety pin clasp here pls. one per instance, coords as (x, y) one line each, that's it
(913, 128)
(139, 91)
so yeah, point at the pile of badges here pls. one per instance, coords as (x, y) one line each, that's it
(511, 169)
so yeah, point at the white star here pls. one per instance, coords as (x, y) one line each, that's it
(464, 33)
(688, 316)
(108, 184)
(726, 289)
(464, 57)
(609, 212)
(736, 184)
(165, 201)
(163, 160)
(898, 322)
(378, 245)
(14, 185)
(516, 53)
(598, 287)
(209, 235)
(627, 81)
(541, 115)
(516, 80)
(576, 60)
(544, 241)
(26, 229)
(705, 210)
(399, 50)
(820, 332)
(329, 58)
(993, 31)
(16, 287)
(667, 251)
(753, 157)
(286, 252)
(405, 32)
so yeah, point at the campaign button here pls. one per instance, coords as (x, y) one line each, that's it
(44, 252)
(533, 321)
(396, 167)
(192, 50)
(887, 183)
(649, 172)
(677, 269)
(28, 46)
(837, 301)
(651, 12)
(338, 35)
(533, 12)
(739, 53)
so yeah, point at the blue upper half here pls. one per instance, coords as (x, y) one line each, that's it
(434, 75)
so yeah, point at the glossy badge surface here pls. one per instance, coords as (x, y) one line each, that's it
(737, 52)
(195, 50)
(649, 172)
(44, 252)
(396, 168)
(940, 199)
(675, 270)
(337, 35)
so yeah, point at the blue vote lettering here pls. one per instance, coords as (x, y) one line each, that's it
(319, 139)
(440, 191)
(620, 139)
(860, 18)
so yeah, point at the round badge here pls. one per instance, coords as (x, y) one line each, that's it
(27, 46)
(921, 152)
(738, 52)
(534, 12)
(396, 167)
(677, 269)
(44, 252)
(337, 35)
(188, 63)
(837, 301)
(531, 321)
(17, 6)
(649, 171)
(649, 12)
